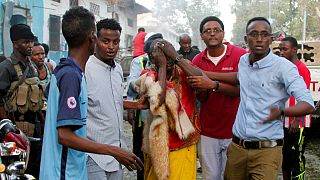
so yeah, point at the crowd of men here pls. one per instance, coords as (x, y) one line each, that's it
(254, 105)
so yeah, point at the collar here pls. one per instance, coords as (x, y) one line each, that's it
(228, 52)
(15, 60)
(73, 63)
(101, 63)
(264, 62)
(182, 52)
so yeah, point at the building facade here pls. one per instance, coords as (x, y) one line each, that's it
(44, 17)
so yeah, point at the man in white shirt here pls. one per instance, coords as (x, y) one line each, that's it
(105, 103)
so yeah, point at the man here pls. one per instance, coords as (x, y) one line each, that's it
(44, 69)
(65, 129)
(46, 51)
(17, 67)
(266, 82)
(218, 109)
(105, 104)
(186, 50)
(293, 164)
(137, 117)
(138, 43)
(181, 152)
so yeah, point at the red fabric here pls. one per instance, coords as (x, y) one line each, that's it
(218, 112)
(305, 74)
(138, 44)
(188, 100)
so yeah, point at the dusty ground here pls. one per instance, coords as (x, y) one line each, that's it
(312, 157)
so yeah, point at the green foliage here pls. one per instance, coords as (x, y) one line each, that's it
(185, 15)
(287, 15)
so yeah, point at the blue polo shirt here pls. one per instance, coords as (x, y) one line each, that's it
(266, 83)
(67, 107)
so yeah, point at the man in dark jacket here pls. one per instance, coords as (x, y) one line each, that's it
(185, 47)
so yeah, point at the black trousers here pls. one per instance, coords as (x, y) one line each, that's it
(137, 142)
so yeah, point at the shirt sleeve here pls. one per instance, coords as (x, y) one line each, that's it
(305, 73)
(69, 105)
(4, 81)
(294, 84)
(135, 71)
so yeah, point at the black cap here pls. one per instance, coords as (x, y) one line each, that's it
(148, 42)
(21, 31)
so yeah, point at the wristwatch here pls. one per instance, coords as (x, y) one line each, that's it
(177, 59)
(217, 86)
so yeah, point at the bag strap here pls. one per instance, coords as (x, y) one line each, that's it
(21, 77)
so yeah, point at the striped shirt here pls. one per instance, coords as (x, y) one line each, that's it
(105, 109)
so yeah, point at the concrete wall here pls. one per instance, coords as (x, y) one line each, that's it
(31, 10)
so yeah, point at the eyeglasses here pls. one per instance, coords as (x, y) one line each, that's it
(256, 35)
(210, 31)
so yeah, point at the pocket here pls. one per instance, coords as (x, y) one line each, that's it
(22, 96)
(34, 99)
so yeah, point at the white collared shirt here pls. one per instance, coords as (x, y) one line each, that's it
(105, 109)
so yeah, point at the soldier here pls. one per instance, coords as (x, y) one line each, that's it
(20, 93)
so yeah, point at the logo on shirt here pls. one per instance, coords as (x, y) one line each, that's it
(72, 103)
(227, 68)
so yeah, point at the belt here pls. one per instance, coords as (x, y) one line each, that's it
(247, 144)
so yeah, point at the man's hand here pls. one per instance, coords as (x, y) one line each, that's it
(167, 49)
(201, 82)
(143, 102)
(275, 114)
(294, 125)
(159, 57)
(130, 116)
(128, 159)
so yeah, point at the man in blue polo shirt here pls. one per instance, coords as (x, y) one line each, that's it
(64, 141)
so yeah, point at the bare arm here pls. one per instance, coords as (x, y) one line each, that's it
(68, 138)
(203, 82)
(300, 109)
(135, 104)
(188, 69)
(3, 114)
(172, 54)
(230, 78)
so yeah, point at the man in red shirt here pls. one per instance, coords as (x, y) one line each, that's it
(218, 107)
(138, 43)
(293, 165)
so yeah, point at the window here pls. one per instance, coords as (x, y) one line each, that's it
(129, 40)
(130, 22)
(54, 32)
(18, 19)
(95, 9)
(73, 3)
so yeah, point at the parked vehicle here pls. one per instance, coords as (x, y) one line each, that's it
(14, 152)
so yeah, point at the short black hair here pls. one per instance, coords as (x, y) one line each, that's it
(77, 23)
(210, 18)
(108, 24)
(46, 48)
(257, 19)
(292, 40)
(141, 29)
(37, 44)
